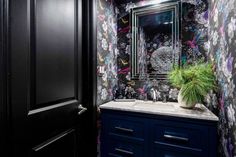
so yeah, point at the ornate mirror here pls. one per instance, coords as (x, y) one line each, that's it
(155, 39)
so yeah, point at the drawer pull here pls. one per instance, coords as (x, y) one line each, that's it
(124, 151)
(124, 129)
(177, 138)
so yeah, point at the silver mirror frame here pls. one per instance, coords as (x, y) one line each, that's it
(174, 6)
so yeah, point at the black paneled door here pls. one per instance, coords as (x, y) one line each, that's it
(45, 77)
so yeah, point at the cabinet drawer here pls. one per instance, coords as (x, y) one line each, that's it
(124, 148)
(177, 134)
(165, 151)
(126, 126)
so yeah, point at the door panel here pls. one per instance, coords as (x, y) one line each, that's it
(55, 51)
(63, 144)
(49, 123)
(45, 77)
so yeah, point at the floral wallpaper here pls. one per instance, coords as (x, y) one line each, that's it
(222, 33)
(194, 47)
(106, 50)
(194, 30)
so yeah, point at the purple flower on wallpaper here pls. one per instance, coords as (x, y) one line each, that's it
(229, 61)
(124, 30)
(221, 31)
(205, 15)
(206, 46)
(191, 43)
(230, 147)
(202, 18)
(222, 103)
(141, 91)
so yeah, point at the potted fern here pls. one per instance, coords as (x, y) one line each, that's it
(194, 82)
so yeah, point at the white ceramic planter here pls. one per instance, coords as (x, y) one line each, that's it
(183, 103)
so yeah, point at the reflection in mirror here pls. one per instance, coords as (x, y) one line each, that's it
(155, 44)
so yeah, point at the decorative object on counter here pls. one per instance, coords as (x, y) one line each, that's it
(194, 82)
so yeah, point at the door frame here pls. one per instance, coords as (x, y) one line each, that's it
(90, 75)
(4, 48)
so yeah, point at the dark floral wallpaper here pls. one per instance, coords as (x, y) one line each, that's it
(106, 50)
(194, 47)
(222, 37)
(194, 27)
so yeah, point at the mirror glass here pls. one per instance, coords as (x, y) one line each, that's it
(155, 44)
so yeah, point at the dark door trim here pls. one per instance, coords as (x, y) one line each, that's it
(4, 123)
(90, 76)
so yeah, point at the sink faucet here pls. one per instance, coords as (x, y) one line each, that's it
(154, 94)
(164, 98)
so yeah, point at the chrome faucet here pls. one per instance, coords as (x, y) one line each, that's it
(164, 99)
(154, 94)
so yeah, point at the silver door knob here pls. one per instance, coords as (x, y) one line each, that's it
(81, 109)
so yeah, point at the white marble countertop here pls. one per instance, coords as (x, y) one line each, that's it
(160, 108)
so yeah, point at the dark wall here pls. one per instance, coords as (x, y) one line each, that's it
(106, 49)
(222, 39)
(194, 47)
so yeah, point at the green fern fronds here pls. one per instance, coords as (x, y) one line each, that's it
(195, 80)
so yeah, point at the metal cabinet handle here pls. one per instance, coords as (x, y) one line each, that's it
(81, 109)
(171, 137)
(124, 151)
(124, 129)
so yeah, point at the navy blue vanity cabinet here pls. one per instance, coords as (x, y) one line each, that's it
(130, 134)
(122, 135)
(179, 139)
